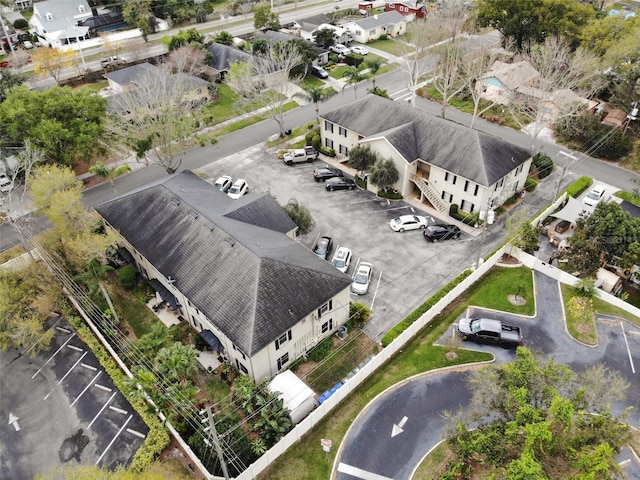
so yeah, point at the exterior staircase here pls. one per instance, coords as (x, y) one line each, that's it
(429, 193)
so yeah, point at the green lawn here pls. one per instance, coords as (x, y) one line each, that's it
(492, 290)
(223, 108)
(628, 196)
(93, 87)
(391, 46)
(137, 314)
(310, 82)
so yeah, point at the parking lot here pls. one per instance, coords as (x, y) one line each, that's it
(407, 269)
(60, 408)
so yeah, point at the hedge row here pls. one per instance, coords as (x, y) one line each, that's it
(467, 218)
(157, 438)
(579, 186)
(395, 332)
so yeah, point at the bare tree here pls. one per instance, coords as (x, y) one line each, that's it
(447, 78)
(19, 59)
(27, 160)
(156, 119)
(474, 66)
(187, 59)
(560, 70)
(264, 83)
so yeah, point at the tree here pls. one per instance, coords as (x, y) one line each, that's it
(52, 61)
(263, 84)
(533, 418)
(138, 13)
(157, 119)
(324, 37)
(316, 95)
(532, 21)
(188, 59)
(560, 68)
(224, 38)
(300, 216)
(361, 157)
(178, 362)
(359, 315)
(264, 18)
(101, 170)
(527, 238)
(447, 79)
(354, 75)
(19, 59)
(28, 158)
(185, 37)
(374, 64)
(384, 174)
(8, 80)
(63, 123)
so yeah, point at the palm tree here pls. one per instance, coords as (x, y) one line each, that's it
(316, 95)
(374, 64)
(354, 75)
(177, 361)
(154, 341)
(96, 272)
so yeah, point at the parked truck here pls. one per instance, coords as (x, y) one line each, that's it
(111, 62)
(306, 154)
(493, 332)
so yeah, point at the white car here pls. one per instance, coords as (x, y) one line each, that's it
(342, 259)
(223, 183)
(238, 189)
(362, 278)
(5, 184)
(339, 48)
(359, 50)
(408, 222)
(594, 196)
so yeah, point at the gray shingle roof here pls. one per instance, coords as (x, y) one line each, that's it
(63, 13)
(469, 153)
(252, 281)
(224, 55)
(129, 74)
(387, 18)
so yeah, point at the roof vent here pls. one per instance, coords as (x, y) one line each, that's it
(230, 241)
(192, 216)
(174, 204)
(49, 16)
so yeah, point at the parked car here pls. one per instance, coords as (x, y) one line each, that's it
(319, 71)
(339, 183)
(342, 259)
(408, 222)
(362, 278)
(359, 50)
(238, 189)
(5, 184)
(594, 196)
(493, 332)
(112, 62)
(441, 231)
(323, 247)
(27, 45)
(223, 183)
(340, 49)
(325, 173)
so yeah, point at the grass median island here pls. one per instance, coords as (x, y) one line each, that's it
(495, 289)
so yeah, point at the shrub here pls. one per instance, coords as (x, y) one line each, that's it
(21, 24)
(530, 184)
(384, 36)
(321, 350)
(329, 152)
(128, 277)
(308, 137)
(466, 218)
(389, 195)
(499, 211)
(542, 165)
(511, 200)
(121, 170)
(316, 142)
(579, 186)
(395, 332)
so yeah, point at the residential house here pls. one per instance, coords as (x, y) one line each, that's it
(409, 8)
(562, 99)
(373, 27)
(222, 56)
(307, 25)
(232, 270)
(22, 4)
(340, 34)
(615, 118)
(501, 82)
(55, 22)
(272, 37)
(439, 161)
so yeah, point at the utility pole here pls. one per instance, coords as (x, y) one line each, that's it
(213, 434)
(6, 34)
(564, 169)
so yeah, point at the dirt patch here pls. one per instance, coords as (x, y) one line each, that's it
(176, 463)
(509, 260)
(516, 300)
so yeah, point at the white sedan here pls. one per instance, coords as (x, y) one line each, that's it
(408, 222)
(362, 278)
(238, 189)
(359, 50)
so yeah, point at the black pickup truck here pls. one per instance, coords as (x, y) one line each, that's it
(494, 332)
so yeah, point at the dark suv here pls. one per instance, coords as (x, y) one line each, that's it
(441, 231)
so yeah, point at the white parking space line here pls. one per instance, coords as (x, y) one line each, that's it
(114, 439)
(88, 367)
(73, 347)
(119, 410)
(54, 354)
(101, 410)
(376, 291)
(63, 330)
(86, 388)
(66, 374)
(359, 473)
(624, 335)
(136, 433)
(102, 387)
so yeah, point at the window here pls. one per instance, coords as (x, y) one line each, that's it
(475, 191)
(283, 360)
(327, 326)
(325, 308)
(282, 339)
(343, 150)
(328, 126)
(241, 367)
(455, 178)
(447, 197)
(342, 131)
(328, 143)
(466, 185)
(446, 177)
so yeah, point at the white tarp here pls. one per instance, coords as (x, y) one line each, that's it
(296, 395)
(573, 210)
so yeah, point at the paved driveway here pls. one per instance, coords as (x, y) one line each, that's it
(61, 408)
(422, 401)
(407, 269)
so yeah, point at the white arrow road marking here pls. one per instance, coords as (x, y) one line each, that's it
(13, 420)
(397, 428)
